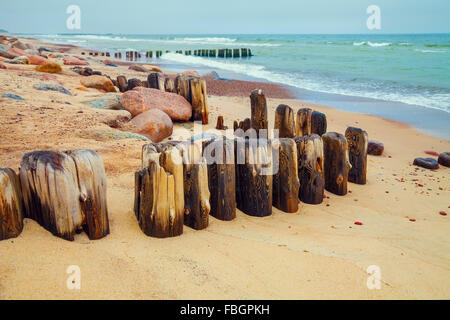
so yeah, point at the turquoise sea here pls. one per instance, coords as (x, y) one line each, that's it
(402, 77)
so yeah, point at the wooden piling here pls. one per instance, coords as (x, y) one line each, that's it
(303, 122)
(358, 141)
(11, 205)
(318, 123)
(284, 121)
(336, 162)
(259, 112)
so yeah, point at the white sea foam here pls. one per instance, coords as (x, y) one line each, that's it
(372, 44)
(434, 101)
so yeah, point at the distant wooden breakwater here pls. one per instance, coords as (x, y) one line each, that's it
(211, 53)
(178, 184)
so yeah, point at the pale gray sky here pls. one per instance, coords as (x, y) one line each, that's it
(225, 16)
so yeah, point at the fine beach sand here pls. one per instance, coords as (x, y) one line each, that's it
(316, 253)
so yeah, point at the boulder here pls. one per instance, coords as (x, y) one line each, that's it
(141, 99)
(52, 87)
(8, 55)
(98, 82)
(19, 52)
(49, 67)
(72, 61)
(19, 60)
(427, 163)
(154, 124)
(37, 60)
(444, 159)
(83, 71)
(19, 44)
(375, 148)
(138, 68)
(191, 73)
(2, 66)
(12, 96)
(151, 68)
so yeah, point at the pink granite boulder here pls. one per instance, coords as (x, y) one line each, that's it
(37, 60)
(72, 61)
(141, 99)
(153, 124)
(98, 82)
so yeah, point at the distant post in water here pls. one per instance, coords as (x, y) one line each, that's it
(11, 209)
(303, 122)
(336, 162)
(259, 112)
(318, 123)
(357, 147)
(284, 121)
(310, 168)
(285, 180)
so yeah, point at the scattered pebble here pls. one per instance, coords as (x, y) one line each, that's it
(358, 223)
(443, 213)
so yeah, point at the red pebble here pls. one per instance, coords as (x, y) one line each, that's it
(443, 213)
(358, 223)
(412, 220)
(432, 153)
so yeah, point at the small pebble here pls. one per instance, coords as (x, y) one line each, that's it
(358, 223)
(443, 213)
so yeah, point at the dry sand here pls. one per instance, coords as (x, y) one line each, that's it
(316, 253)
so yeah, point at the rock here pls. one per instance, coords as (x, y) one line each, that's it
(98, 82)
(138, 68)
(19, 60)
(151, 68)
(432, 153)
(19, 52)
(52, 87)
(191, 73)
(133, 83)
(444, 159)
(375, 148)
(49, 67)
(111, 65)
(84, 71)
(107, 101)
(2, 66)
(18, 44)
(12, 96)
(8, 55)
(72, 61)
(44, 49)
(141, 99)
(37, 60)
(154, 124)
(427, 163)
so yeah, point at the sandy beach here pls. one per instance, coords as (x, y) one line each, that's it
(316, 253)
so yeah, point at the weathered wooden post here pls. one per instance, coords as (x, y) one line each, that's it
(336, 162)
(122, 83)
(65, 192)
(285, 180)
(169, 85)
(219, 155)
(259, 113)
(183, 87)
(196, 191)
(236, 53)
(133, 83)
(159, 197)
(156, 80)
(358, 141)
(220, 125)
(11, 208)
(199, 101)
(284, 121)
(310, 168)
(318, 123)
(253, 158)
(303, 122)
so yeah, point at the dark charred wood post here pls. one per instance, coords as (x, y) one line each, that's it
(336, 162)
(318, 123)
(220, 125)
(219, 155)
(303, 122)
(253, 179)
(285, 180)
(196, 191)
(358, 141)
(310, 168)
(132, 83)
(11, 208)
(259, 113)
(65, 192)
(159, 196)
(235, 125)
(284, 121)
(156, 80)
(122, 83)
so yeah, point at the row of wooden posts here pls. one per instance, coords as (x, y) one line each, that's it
(192, 88)
(179, 185)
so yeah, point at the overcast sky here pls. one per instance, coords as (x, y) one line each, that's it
(225, 16)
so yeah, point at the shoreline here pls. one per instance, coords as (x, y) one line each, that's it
(316, 253)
